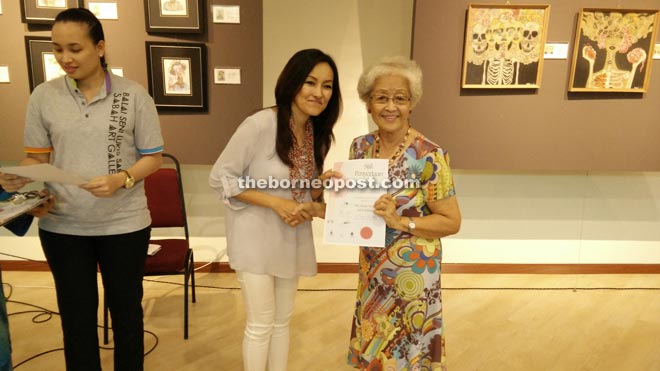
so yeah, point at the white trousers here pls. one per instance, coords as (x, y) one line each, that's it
(268, 308)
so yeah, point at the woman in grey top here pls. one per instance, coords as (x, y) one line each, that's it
(104, 128)
(268, 245)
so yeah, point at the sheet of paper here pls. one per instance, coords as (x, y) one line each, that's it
(44, 173)
(350, 218)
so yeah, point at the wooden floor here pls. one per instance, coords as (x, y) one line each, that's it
(592, 328)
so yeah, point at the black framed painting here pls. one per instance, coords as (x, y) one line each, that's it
(45, 11)
(177, 75)
(41, 62)
(174, 16)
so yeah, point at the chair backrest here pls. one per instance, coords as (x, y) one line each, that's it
(164, 190)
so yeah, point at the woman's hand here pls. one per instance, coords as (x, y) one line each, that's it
(12, 183)
(104, 186)
(309, 210)
(45, 207)
(385, 206)
(285, 208)
(318, 192)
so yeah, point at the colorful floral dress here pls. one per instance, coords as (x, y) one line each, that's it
(397, 324)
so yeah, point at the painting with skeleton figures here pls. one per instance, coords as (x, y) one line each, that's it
(504, 46)
(613, 50)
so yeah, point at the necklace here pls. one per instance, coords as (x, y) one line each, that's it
(398, 150)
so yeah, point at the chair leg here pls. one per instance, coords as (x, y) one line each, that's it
(185, 304)
(105, 320)
(192, 276)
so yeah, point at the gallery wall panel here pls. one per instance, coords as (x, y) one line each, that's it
(537, 129)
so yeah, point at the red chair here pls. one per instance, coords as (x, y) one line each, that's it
(166, 204)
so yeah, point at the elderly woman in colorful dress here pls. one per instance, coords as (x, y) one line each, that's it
(397, 324)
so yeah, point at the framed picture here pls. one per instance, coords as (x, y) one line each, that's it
(613, 50)
(174, 16)
(504, 46)
(226, 13)
(103, 10)
(177, 75)
(45, 11)
(224, 75)
(42, 65)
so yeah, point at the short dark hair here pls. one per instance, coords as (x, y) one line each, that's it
(84, 16)
(289, 83)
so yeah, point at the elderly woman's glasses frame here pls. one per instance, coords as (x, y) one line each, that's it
(399, 100)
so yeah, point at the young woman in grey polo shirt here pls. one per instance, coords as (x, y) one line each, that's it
(104, 128)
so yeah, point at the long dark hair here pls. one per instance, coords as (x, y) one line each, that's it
(84, 16)
(289, 83)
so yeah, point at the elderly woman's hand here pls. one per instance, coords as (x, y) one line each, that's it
(385, 206)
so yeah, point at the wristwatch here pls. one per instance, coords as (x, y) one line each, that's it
(411, 225)
(130, 181)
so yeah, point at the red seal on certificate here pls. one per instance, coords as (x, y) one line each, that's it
(366, 233)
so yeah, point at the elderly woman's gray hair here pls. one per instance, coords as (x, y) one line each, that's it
(388, 66)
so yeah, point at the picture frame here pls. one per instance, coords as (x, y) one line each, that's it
(45, 11)
(503, 46)
(42, 65)
(177, 76)
(227, 75)
(103, 9)
(613, 50)
(226, 13)
(175, 16)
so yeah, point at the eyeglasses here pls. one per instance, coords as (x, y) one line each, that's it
(399, 100)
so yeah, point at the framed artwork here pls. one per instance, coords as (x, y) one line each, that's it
(177, 75)
(42, 65)
(613, 50)
(103, 10)
(45, 11)
(224, 75)
(174, 16)
(226, 13)
(504, 46)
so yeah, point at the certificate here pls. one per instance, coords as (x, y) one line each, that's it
(350, 218)
(44, 173)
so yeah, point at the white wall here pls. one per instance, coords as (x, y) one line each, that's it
(508, 217)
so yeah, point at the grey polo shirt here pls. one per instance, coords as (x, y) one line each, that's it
(103, 136)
